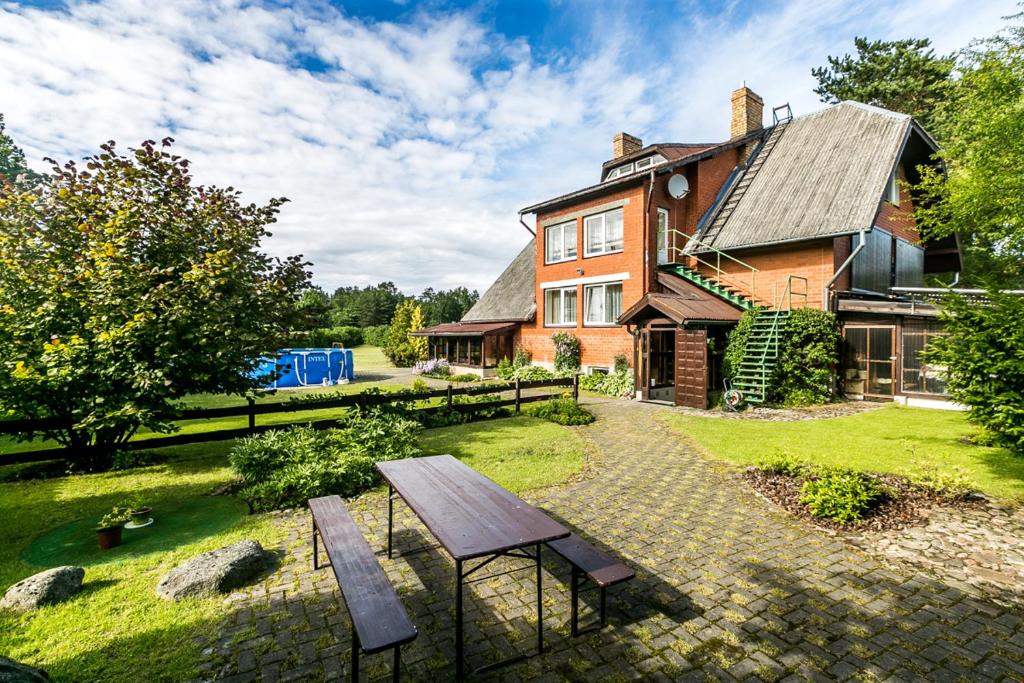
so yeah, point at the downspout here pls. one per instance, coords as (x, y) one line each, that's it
(825, 303)
(528, 228)
(647, 233)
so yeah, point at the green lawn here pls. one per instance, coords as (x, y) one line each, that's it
(890, 439)
(116, 629)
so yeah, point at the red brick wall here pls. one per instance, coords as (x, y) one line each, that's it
(899, 220)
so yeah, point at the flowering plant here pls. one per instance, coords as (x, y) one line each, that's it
(434, 366)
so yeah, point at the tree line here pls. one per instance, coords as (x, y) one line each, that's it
(375, 305)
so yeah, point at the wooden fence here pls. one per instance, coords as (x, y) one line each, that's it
(253, 409)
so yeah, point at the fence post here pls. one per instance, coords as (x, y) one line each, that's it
(449, 397)
(252, 413)
(576, 387)
(518, 395)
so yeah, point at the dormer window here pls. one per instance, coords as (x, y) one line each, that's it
(893, 191)
(635, 166)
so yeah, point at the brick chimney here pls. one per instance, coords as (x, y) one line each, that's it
(624, 143)
(747, 112)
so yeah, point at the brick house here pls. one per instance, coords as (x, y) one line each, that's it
(658, 260)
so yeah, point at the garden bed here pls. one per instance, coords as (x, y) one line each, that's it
(905, 503)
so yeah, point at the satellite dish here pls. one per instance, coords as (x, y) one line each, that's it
(678, 186)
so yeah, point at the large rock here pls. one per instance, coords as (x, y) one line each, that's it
(45, 588)
(13, 672)
(217, 571)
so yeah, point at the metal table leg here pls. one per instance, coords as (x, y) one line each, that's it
(391, 515)
(459, 665)
(540, 607)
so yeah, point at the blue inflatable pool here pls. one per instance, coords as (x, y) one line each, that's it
(307, 368)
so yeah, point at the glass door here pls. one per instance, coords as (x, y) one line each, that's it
(870, 356)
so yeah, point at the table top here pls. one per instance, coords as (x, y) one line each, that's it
(469, 514)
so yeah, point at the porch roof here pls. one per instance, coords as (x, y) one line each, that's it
(681, 309)
(466, 329)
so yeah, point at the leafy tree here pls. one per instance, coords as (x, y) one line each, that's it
(981, 194)
(901, 75)
(446, 306)
(365, 307)
(13, 170)
(983, 357)
(313, 309)
(126, 287)
(402, 349)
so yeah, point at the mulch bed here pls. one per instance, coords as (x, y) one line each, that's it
(905, 506)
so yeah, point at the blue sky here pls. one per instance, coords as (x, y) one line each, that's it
(407, 135)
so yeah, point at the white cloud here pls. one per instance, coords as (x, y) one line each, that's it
(406, 148)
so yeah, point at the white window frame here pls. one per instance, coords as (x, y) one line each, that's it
(894, 190)
(561, 292)
(586, 310)
(589, 223)
(658, 236)
(563, 227)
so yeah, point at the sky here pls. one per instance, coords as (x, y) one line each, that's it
(408, 135)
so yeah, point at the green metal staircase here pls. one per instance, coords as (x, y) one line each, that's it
(719, 289)
(760, 355)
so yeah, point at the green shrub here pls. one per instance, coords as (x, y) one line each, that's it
(841, 494)
(808, 358)
(522, 358)
(737, 344)
(564, 411)
(465, 377)
(376, 335)
(951, 483)
(506, 370)
(782, 463)
(621, 363)
(567, 352)
(326, 337)
(617, 384)
(983, 359)
(285, 468)
(401, 348)
(529, 373)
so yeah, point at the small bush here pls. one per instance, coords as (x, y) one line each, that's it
(841, 494)
(737, 344)
(522, 358)
(529, 373)
(567, 352)
(953, 483)
(376, 335)
(464, 377)
(621, 363)
(286, 468)
(617, 384)
(506, 370)
(808, 358)
(437, 368)
(564, 411)
(782, 463)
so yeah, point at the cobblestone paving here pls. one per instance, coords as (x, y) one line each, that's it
(727, 588)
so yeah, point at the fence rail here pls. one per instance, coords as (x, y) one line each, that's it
(253, 409)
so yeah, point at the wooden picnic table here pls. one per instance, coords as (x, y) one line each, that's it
(475, 520)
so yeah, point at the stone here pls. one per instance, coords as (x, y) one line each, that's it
(215, 572)
(14, 672)
(45, 588)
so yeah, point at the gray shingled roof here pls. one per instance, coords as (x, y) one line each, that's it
(825, 177)
(511, 297)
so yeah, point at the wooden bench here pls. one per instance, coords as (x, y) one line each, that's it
(589, 562)
(379, 621)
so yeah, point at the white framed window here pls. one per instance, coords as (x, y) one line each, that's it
(560, 306)
(893, 192)
(560, 242)
(662, 236)
(602, 233)
(635, 166)
(602, 304)
(619, 171)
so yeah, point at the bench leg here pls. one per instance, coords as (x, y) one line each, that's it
(459, 665)
(602, 607)
(315, 565)
(540, 607)
(355, 655)
(396, 667)
(391, 515)
(574, 588)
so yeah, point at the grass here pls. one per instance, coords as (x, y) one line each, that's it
(116, 629)
(893, 439)
(520, 453)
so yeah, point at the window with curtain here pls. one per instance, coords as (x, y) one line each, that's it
(560, 242)
(602, 303)
(560, 306)
(602, 233)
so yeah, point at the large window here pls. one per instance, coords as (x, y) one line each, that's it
(560, 242)
(602, 303)
(918, 376)
(560, 306)
(602, 233)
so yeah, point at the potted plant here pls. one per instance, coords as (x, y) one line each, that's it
(108, 531)
(139, 512)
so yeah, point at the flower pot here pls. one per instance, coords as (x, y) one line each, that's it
(109, 538)
(141, 516)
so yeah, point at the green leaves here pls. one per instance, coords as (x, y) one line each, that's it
(127, 287)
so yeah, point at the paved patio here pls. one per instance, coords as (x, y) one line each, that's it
(727, 588)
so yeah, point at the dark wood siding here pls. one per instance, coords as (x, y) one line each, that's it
(692, 368)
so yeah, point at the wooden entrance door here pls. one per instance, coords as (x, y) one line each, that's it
(692, 368)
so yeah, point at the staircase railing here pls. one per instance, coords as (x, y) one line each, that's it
(787, 294)
(786, 298)
(744, 281)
